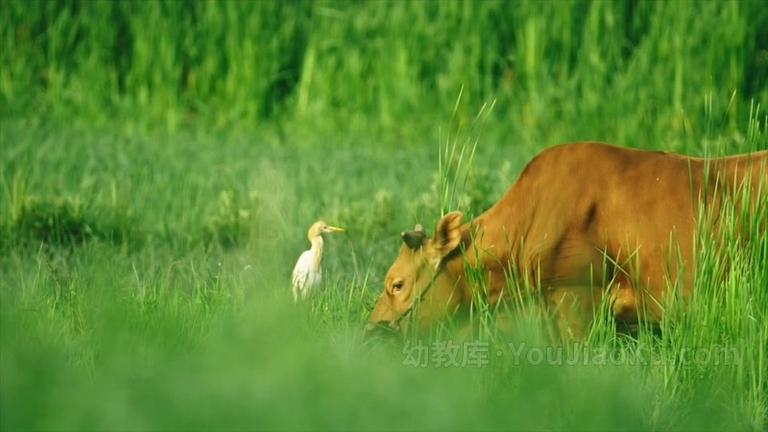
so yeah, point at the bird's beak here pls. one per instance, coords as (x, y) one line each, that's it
(335, 229)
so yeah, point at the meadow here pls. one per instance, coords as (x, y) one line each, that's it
(161, 161)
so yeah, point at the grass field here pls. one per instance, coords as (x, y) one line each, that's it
(160, 163)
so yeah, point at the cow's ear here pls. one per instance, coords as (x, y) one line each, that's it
(447, 234)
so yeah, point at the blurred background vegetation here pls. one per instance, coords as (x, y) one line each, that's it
(160, 162)
(242, 63)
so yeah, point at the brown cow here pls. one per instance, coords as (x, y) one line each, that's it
(574, 209)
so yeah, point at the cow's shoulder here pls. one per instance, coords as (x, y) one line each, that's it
(593, 151)
(575, 157)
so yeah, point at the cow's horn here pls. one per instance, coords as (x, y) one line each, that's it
(414, 239)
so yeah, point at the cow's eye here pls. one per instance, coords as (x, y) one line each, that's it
(397, 285)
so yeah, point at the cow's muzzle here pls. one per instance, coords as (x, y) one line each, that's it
(382, 329)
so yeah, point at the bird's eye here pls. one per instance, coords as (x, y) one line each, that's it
(397, 285)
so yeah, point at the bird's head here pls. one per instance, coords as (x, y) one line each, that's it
(320, 227)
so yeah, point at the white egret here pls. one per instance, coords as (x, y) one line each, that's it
(308, 273)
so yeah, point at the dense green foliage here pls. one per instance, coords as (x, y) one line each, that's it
(243, 62)
(160, 162)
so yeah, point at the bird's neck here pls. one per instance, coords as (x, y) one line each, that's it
(317, 250)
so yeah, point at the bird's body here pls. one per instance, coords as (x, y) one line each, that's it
(308, 272)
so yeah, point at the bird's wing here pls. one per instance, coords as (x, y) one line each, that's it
(301, 273)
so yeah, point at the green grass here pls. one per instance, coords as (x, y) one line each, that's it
(160, 164)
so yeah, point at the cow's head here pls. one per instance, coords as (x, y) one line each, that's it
(419, 283)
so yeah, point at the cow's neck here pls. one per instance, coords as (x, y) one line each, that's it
(500, 231)
(492, 242)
